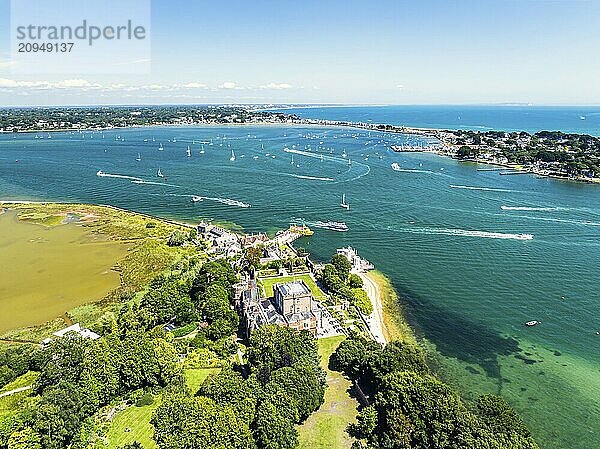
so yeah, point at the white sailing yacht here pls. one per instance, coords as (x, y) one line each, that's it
(139, 158)
(344, 204)
(232, 158)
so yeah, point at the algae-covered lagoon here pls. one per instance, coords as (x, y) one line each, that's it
(48, 270)
(56, 257)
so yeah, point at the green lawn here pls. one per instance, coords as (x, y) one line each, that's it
(326, 428)
(195, 377)
(137, 419)
(267, 284)
(22, 381)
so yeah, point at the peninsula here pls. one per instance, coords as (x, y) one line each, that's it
(219, 336)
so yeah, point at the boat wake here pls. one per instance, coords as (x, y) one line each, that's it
(467, 233)
(154, 183)
(485, 189)
(227, 201)
(527, 208)
(314, 178)
(409, 170)
(110, 175)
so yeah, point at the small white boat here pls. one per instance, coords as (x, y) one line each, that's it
(255, 157)
(139, 158)
(202, 150)
(196, 199)
(160, 173)
(99, 173)
(189, 152)
(160, 147)
(532, 323)
(232, 158)
(343, 204)
(396, 166)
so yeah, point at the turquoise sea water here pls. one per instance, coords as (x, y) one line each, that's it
(446, 234)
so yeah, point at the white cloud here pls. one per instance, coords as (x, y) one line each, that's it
(194, 86)
(7, 63)
(277, 86)
(228, 85)
(75, 83)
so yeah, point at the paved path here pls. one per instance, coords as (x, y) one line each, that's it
(16, 390)
(375, 320)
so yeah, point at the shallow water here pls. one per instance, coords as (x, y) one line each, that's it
(47, 271)
(437, 229)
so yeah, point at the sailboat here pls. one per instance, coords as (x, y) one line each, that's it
(202, 150)
(160, 147)
(189, 152)
(159, 173)
(343, 203)
(232, 158)
(139, 158)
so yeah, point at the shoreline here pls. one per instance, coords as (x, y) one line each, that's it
(386, 323)
(387, 309)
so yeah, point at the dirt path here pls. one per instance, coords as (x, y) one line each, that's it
(15, 391)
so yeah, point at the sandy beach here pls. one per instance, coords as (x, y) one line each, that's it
(375, 320)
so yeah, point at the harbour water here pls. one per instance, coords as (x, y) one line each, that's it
(450, 237)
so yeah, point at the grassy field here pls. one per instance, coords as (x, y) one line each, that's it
(267, 284)
(326, 428)
(396, 325)
(195, 377)
(137, 419)
(25, 380)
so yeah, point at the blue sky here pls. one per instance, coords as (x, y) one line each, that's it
(376, 52)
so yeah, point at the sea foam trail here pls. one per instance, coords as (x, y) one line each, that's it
(468, 233)
(314, 178)
(110, 175)
(528, 208)
(485, 189)
(227, 201)
(154, 183)
(409, 170)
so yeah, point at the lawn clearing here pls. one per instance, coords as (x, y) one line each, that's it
(137, 419)
(195, 377)
(267, 284)
(326, 428)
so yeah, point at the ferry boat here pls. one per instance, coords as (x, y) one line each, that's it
(332, 225)
(343, 204)
(396, 166)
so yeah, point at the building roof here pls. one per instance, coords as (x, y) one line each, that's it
(76, 328)
(292, 288)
